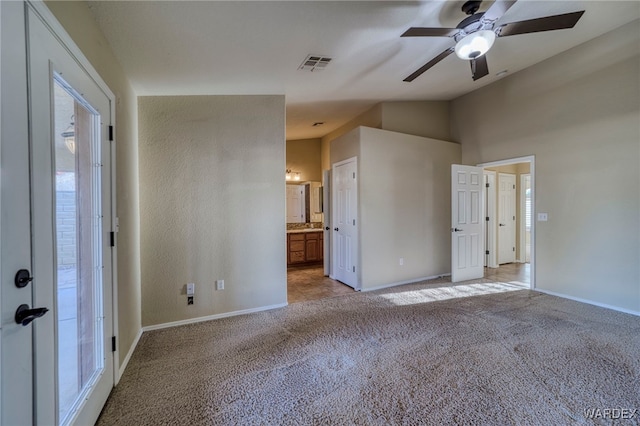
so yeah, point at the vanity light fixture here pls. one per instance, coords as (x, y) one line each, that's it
(290, 175)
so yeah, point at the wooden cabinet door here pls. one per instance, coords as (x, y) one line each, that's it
(311, 245)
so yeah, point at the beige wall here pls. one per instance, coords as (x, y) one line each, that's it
(79, 23)
(429, 119)
(404, 203)
(370, 118)
(304, 156)
(578, 113)
(212, 204)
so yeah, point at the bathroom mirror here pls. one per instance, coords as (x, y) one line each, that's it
(304, 202)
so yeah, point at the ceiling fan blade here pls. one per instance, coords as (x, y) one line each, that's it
(497, 9)
(429, 64)
(430, 32)
(479, 67)
(548, 23)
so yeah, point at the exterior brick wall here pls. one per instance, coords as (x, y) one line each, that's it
(66, 227)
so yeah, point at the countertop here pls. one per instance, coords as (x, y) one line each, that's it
(299, 231)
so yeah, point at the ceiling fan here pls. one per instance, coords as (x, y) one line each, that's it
(475, 34)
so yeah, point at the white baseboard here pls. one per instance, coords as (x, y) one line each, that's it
(412, 281)
(132, 348)
(588, 302)
(212, 317)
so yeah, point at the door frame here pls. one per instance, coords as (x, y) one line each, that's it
(491, 259)
(523, 219)
(531, 159)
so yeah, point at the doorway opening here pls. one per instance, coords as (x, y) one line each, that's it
(509, 211)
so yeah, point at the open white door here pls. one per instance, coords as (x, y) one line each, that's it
(326, 210)
(57, 362)
(467, 224)
(343, 218)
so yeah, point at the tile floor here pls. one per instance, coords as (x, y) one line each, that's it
(306, 283)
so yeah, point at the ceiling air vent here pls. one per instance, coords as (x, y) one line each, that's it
(314, 63)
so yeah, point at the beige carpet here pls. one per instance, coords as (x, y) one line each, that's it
(430, 353)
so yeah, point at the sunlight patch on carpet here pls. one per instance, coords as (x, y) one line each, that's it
(412, 297)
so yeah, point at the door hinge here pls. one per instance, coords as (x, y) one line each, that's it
(487, 184)
(487, 218)
(514, 187)
(113, 343)
(514, 218)
(354, 175)
(111, 133)
(354, 268)
(486, 252)
(354, 222)
(514, 249)
(112, 236)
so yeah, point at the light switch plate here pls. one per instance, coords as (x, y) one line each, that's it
(543, 217)
(191, 289)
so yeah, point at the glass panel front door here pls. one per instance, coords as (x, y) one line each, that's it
(78, 246)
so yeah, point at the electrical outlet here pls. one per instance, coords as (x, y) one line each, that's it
(220, 285)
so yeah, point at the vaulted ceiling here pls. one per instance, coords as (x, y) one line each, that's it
(249, 48)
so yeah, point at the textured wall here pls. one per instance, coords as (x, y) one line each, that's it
(578, 114)
(404, 203)
(304, 156)
(212, 204)
(77, 20)
(429, 119)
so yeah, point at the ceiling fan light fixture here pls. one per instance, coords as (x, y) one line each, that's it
(475, 44)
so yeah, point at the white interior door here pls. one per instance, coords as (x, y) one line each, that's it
(467, 223)
(66, 366)
(506, 218)
(491, 257)
(344, 222)
(295, 204)
(326, 210)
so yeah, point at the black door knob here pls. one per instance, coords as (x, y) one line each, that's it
(336, 229)
(23, 277)
(327, 228)
(502, 224)
(24, 315)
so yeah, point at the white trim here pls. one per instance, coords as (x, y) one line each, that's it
(58, 30)
(125, 362)
(589, 302)
(491, 259)
(412, 281)
(531, 159)
(212, 317)
(522, 231)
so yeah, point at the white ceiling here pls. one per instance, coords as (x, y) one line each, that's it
(249, 48)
